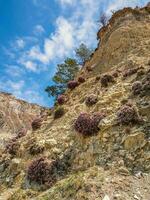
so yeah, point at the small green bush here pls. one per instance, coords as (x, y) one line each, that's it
(59, 112)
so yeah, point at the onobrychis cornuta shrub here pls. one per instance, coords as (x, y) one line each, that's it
(81, 79)
(87, 124)
(72, 84)
(21, 133)
(89, 69)
(137, 87)
(59, 112)
(36, 124)
(61, 99)
(115, 74)
(41, 171)
(36, 149)
(127, 114)
(106, 79)
(146, 83)
(12, 147)
(97, 78)
(91, 100)
(130, 72)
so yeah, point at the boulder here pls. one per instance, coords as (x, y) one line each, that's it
(134, 142)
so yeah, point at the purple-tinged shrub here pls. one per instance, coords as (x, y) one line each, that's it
(137, 87)
(91, 100)
(115, 74)
(81, 79)
(127, 130)
(127, 114)
(97, 78)
(89, 69)
(21, 133)
(146, 84)
(36, 149)
(61, 99)
(59, 112)
(72, 84)
(36, 124)
(40, 171)
(106, 79)
(87, 124)
(12, 147)
(146, 88)
(130, 72)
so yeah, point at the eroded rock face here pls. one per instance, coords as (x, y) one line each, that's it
(134, 142)
(16, 114)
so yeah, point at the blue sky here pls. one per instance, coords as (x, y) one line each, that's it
(36, 35)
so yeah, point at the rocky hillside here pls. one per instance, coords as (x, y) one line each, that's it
(15, 115)
(95, 144)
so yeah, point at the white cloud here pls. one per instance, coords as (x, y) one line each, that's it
(69, 33)
(115, 5)
(67, 1)
(33, 96)
(11, 86)
(38, 29)
(30, 65)
(57, 45)
(20, 90)
(20, 43)
(14, 70)
(16, 85)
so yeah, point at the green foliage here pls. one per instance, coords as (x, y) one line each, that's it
(59, 112)
(67, 71)
(83, 53)
(55, 90)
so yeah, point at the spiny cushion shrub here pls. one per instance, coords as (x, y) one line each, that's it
(127, 114)
(130, 72)
(137, 87)
(12, 147)
(59, 112)
(72, 84)
(36, 124)
(81, 79)
(97, 78)
(105, 79)
(91, 100)
(40, 171)
(115, 74)
(61, 99)
(146, 87)
(89, 69)
(36, 149)
(127, 130)
(87, 124)
(21, 133)
(146, 82)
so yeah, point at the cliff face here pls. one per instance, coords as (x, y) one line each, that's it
(126, 36)
(57, 162)
(15, 114)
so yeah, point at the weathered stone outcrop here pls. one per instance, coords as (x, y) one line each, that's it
(16, 114)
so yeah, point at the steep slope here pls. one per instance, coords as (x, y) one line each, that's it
(16, 114)
(113, 161)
